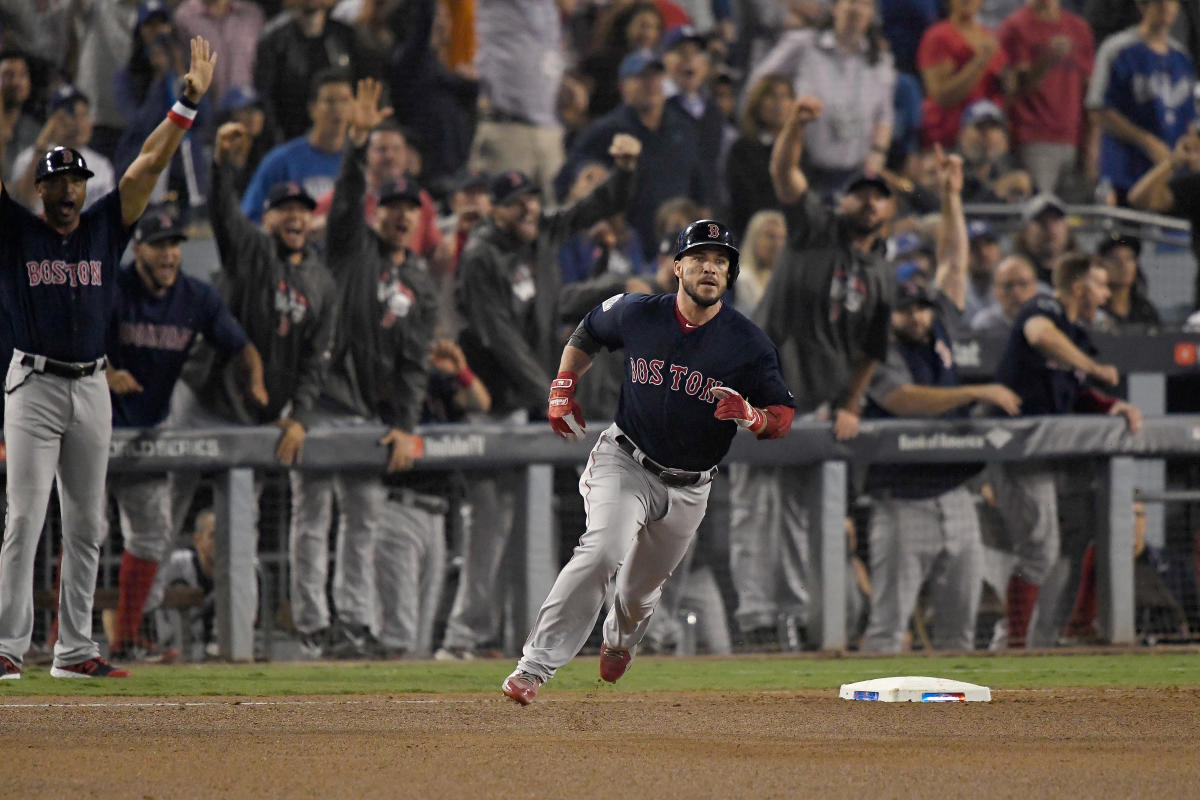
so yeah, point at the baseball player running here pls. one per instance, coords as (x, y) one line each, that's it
(695, 371)
(157, 316)
(57, 288)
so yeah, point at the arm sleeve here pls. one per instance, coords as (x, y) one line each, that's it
(220, 328)
(605, 322)
(491, 319)
(1094, 401)
(779, 421)
(889, 376)
(346, 228)
(1102, 74)
(606, 200)
(234, 234)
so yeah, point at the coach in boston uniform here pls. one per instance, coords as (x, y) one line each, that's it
(159, 316)
(57, 289)
(696, 370)
(1048, 362)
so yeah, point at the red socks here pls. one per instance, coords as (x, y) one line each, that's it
(1022, 597)
(134, 582)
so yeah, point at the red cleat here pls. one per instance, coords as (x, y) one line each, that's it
(521, 687)
(613, 663)
(92, 668)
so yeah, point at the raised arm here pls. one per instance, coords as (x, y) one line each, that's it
(607, 199)
(953, 248)
(138, 181)
(786, 176)
(346, 228)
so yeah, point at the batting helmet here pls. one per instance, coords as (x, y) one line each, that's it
(61, 160)
(705, 232)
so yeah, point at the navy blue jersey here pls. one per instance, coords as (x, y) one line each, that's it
(57, 291)
(666, 405)
(151, 337)
(1044, 385)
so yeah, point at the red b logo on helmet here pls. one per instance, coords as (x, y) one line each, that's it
(714, 231)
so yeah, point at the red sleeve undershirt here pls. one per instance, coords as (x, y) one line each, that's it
(779, 421)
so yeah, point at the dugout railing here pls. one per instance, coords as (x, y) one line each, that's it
(233, 454)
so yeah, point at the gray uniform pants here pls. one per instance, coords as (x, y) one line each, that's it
(1027, 499)
(53, 428)
(360, 498)
(474, 616)
(912, 540)
(144, 510)
(768, 543)
(410, 564)
(638, 529)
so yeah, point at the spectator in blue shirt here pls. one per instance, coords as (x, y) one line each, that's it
(1141, 95)
(311, 160)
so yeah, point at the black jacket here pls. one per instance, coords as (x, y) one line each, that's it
(387, 312)
(509, 294)
(288, 311)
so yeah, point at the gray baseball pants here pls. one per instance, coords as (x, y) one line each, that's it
(911, 540)
(638, 530)
(144, 512)
(410, 567)
(360, 498)
(768, 543)
(54, 429)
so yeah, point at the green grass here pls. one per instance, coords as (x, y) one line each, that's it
(1128, 670)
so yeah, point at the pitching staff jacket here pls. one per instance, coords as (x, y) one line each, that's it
(826, 305)
(387, 312)
(508, 293)
(288, 311)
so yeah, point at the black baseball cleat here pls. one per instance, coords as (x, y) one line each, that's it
(521, 687)
(613, 663)
(8, 670)
(92, 668)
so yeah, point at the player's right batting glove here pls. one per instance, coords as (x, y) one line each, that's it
(733, 406)
(566, 417)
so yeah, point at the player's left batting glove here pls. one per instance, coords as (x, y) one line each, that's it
(566, 417)
(734, 407)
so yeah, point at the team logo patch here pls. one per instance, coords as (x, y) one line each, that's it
(292, 307)
(396, 298)
(610, 302)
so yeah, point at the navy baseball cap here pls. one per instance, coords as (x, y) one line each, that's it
(911, 293)
(983, 111)
(65, 96)
(61, 160)
(979, 229)
(508, 186)
(155, 226)
(680, 34)
(861, 179)
(1117, 239)
(151, 9)
(239, 97)
(402, 190)
(638, 63)
(1039, 204)
(472, 180)
(286, 191)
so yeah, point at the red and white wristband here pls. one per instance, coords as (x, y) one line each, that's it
(183, 113)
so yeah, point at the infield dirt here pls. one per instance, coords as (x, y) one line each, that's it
(1074, 743)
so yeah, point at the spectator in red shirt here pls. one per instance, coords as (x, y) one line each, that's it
(1052, 54)
(960, 62)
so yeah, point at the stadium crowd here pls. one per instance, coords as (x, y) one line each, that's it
(413, 202)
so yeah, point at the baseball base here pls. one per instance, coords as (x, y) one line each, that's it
(915, 689)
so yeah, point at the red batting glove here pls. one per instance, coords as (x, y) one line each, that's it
(734, 407)
(565, 415)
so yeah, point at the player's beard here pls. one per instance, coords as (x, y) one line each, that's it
(689, 288)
